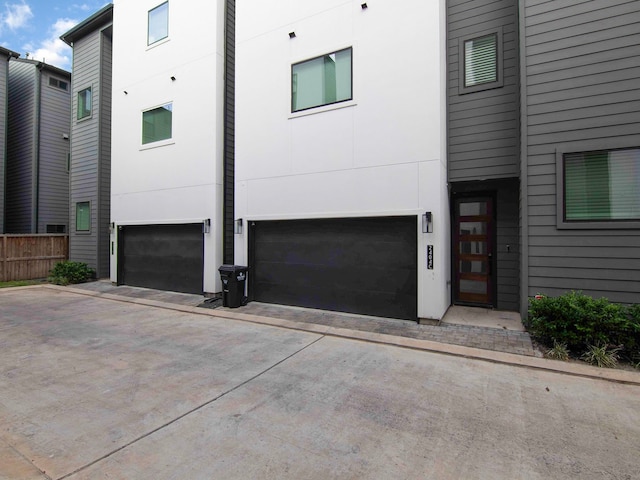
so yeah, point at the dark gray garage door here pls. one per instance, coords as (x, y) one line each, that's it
(356, 265)
(164, 257)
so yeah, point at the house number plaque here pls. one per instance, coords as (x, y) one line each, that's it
(430, 257)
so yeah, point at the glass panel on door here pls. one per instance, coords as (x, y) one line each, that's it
(473, 247)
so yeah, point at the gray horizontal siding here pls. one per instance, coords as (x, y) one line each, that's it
(85, 148)
(508, 247)
(21, 148)
(53, 196)
(483, 127)
(583, 92)
(91, 149)
(4, 72)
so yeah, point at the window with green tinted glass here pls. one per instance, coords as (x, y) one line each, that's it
(480, 61)
(84, 103)
(322, 80)
(83, 216)
(156, 124)
(602, 185)
(158, 23)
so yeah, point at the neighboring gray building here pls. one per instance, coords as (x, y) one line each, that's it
(544, 149)
(580, 81)
(37, 173)
(5, 55)
(90, 176)
(484, 151)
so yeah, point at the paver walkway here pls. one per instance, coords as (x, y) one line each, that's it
(496, 339)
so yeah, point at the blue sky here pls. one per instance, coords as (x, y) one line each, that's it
(34, 27)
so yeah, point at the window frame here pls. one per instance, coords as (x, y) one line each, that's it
(337, 102)
(90, 112)
(57, 83)
(166, 37)
(56, 226)
(83, 231)
(156, 143)
(585, 147)
(499, 82)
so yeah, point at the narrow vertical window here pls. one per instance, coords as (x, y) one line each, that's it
(157, 124)
(321, 81)
(158, 23)
(83, 216)
(84, 103)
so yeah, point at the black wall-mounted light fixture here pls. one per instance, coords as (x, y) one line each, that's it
(206, 225)
(237, 228)
(173, 79)
(125, 92)
(292, 34)
(364, 6)
(427, 222)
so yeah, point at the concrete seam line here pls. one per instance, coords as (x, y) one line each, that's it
(193, 410)
(27, 460)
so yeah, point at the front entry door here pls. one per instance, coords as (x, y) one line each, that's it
(473, 251)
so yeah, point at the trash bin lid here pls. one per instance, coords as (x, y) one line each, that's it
(232, 268)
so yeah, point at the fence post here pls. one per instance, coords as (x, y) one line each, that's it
(5, 256)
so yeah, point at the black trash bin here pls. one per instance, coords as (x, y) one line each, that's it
(233, 278)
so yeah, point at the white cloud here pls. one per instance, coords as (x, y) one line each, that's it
(16, 15)
(83, 7)
(53, 50)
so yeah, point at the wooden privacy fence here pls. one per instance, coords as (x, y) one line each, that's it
(25, 257)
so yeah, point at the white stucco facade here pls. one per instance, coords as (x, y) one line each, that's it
(383, 153)
(178, 180)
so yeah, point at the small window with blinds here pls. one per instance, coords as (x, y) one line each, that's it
(480, 62)
(602, 186)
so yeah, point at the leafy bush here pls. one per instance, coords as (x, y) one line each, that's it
(579, 321)
(65, 273)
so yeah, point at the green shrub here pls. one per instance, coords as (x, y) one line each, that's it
(578, 321)
(65, 273)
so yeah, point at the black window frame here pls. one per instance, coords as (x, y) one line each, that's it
(89, 113)
(293, 65)
(78, 230)
(499, 82)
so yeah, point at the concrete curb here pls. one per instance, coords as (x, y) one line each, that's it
(555, 366)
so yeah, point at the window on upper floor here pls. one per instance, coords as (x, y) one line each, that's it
(158, 23)
(321, 80)
(84, 103)
(83, 216)
(56, 228)
(601, 185)
(480, 64)
(157, 124)
(57, 83)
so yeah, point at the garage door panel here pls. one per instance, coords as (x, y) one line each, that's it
(363, 266)
(163, 257)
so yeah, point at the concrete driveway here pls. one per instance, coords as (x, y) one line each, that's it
(98, 388)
